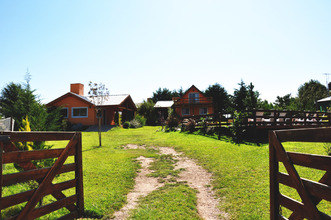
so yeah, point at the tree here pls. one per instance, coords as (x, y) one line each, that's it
(98, 94)
(147, 110)
(239, 97)
(309, 93)
(220, 97)
(19, 101)
(162, 95)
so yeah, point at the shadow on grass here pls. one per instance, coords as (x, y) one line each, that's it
(91, 214)
(92, 148)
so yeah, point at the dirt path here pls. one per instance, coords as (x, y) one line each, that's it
(195, 176)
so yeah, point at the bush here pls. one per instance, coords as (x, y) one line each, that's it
(172, 121)
(135, 123)
(141, 119)
(188, 125)
(126, 124)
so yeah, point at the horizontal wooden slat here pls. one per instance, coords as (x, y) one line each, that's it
(26, 156)
(52, 207)
(309, 160)
(70, 216)
(24, 196)
(305, 135)
(4, 138)
(282, 217)
(316, 189)
(292, 205)
(36, 174)
(39, 136)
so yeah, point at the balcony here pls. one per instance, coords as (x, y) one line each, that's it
(193, 101)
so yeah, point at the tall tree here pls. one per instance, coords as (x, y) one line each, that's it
(309, 93)
(147, 110)
(239, 97)
(19, 101)
(162, 95)
(220, 97)
(98, 94)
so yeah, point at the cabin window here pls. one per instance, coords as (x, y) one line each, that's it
(203, 111)
(193, 97)
(185, 111)
(79, 112)
(64, 112)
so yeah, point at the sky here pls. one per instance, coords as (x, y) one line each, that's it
(137, 46)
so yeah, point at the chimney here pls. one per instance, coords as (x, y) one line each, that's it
(77, 88)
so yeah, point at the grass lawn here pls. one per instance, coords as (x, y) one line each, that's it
(240, 172)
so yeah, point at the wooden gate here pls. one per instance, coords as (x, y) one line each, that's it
(310, 192)
(9, 153)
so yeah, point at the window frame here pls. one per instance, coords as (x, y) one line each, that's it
(203, 108)
(195, 99)
(187, 109)
(65, 108)
(72, 112)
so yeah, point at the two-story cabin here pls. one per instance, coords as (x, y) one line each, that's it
(193, 103)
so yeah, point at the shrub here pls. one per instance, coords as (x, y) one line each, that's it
(135, 123)
(188, 125)
(141, 119)
(172, 121)
(237, 130)
(126, 124)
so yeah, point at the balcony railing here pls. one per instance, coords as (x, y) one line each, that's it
(193, 101)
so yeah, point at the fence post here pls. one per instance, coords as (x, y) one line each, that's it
(274, 186)
(2, 139)
(79, 175)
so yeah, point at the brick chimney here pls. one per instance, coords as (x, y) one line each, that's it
(77, 88)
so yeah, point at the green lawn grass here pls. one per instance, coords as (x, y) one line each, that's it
(240, 172)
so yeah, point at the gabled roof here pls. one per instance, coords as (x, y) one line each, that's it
(111, 100)
(192, 87)
(163, 104)
(327, 99)
(83, 98)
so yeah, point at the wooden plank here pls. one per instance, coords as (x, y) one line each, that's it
(35, 174)
(70, 216)
(305, 135)
(302, 191)
(39, 193)
(274, 186)
(1, 176)
(309, 160)
(319, 190)
(24, 196)
(27, 156)
(39, 136)
(79, 175)
(293, 205)
(51, 207)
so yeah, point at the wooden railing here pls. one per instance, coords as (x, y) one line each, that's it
(310, 192)
(193, 101)
(272, 119)
(9, 153)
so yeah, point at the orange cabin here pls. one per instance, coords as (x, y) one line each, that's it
(77, 108)
(193, 103)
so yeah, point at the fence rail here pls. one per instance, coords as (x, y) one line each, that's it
(272, 119)
(9, 153)
(310, 192)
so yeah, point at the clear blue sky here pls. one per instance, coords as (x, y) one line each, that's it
(135, 47)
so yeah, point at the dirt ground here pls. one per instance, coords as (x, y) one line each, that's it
(195, 176)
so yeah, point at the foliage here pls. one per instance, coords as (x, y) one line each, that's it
(18, 101)
(188, 124)
(147, 110)
(236, 128)
(141, 119)
(220, 97)
(172, 121)
(134, 123)
(162, 95)
(126, 124)
(309, 93)
(245, 98)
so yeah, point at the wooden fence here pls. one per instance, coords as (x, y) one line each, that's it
(9, 153)
(271, 119)
(310, 192)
